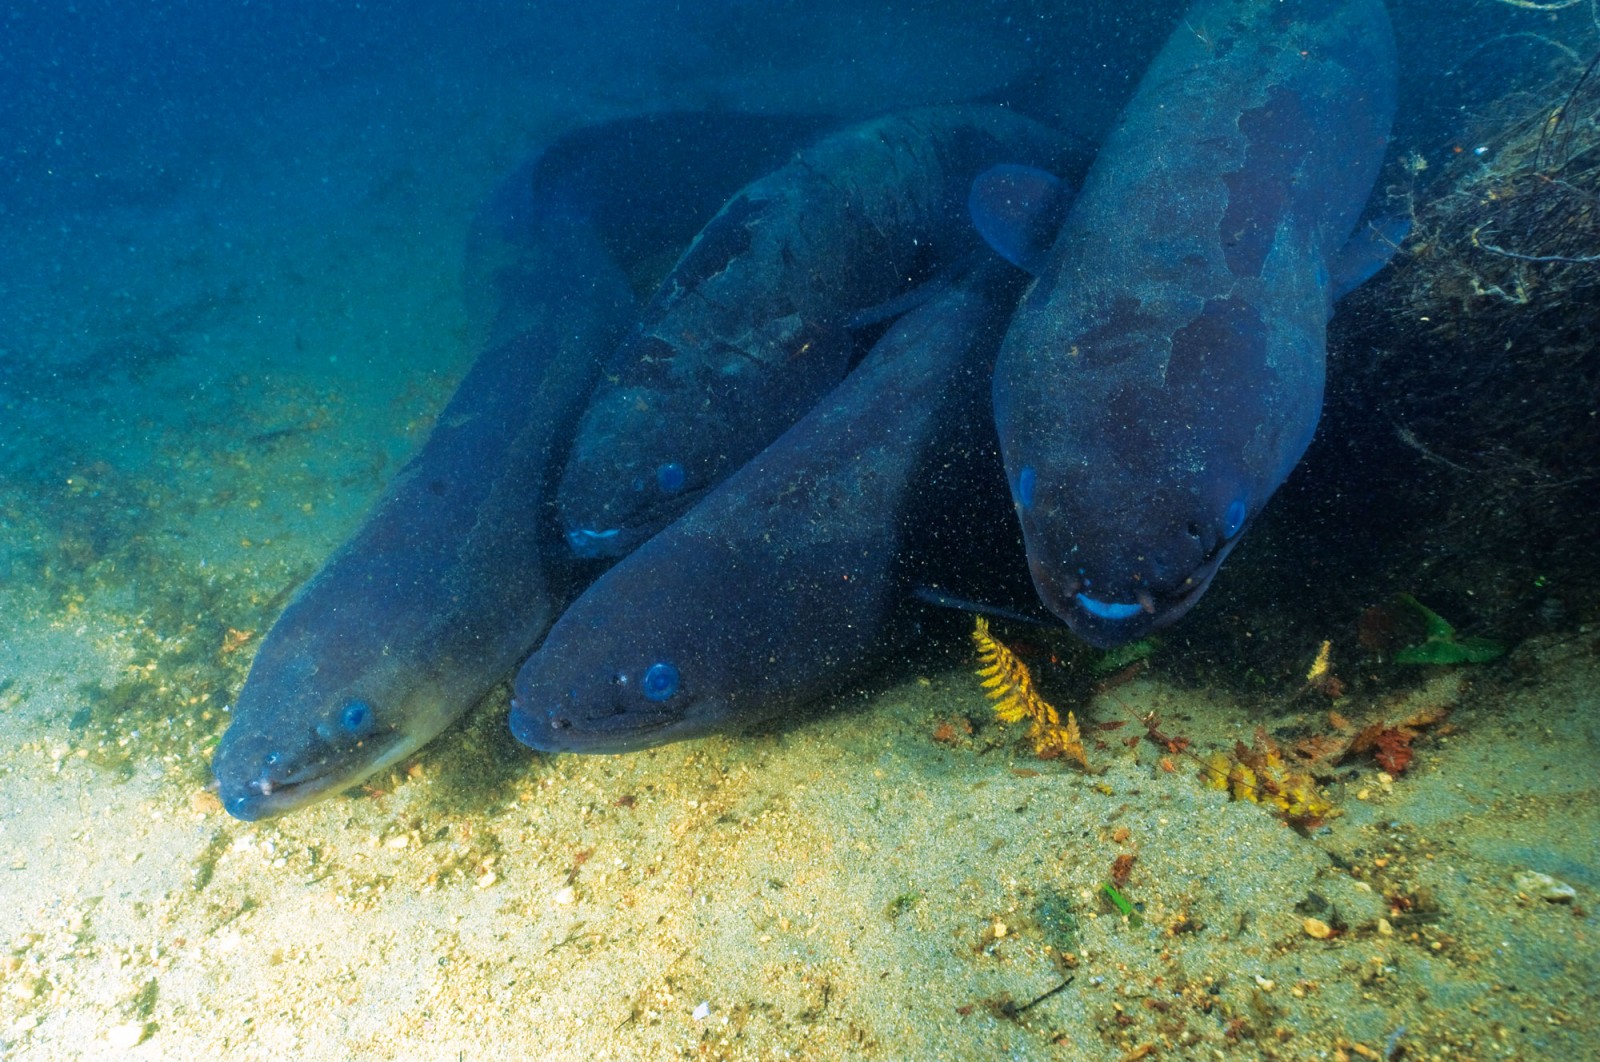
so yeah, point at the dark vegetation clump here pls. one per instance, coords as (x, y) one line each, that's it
(1479, 355)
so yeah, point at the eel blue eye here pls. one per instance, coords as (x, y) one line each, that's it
(670, 477)
(660, 681)
(1233, 519)
(1025, 487)
(356, 717)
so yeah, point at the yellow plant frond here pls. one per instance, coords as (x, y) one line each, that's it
(1320, 666)
(1053, 739)
(1257, 773)
(1218, 770)
(1010, 686)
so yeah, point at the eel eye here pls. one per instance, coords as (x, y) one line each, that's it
(670, 477)
(660, 681)
(1233, 519)
(1025, 483)
(356, 717)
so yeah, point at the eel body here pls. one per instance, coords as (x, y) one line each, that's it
(755, 322)
(458, 569)
(1165, 372)
(448, 582)
(783, 582)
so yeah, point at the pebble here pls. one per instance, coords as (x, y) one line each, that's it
(128, 1035)
(1317, 928)
(1544, 887)
(567, 896)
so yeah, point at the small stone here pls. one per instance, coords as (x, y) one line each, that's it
(487, 878)
(567, 897)
(1000, 930)
(1544, 887)
(397, 842)
(128, 1035)
(1317, 929)
(1385, 929)
(1266, 984)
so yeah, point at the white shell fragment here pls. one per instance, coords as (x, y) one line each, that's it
(1544, 887)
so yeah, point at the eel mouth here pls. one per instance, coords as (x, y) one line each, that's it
(588, 544)
(271, 789)
(623, 731)
(591, 541)
(1112, 621)
(262, 799)
(1143, 604)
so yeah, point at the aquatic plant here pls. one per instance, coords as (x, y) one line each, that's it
(1120, 902)
(1011, 687)
(1441, 645)
(1124, 656)
(1257, 773)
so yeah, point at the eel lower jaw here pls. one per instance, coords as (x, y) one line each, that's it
(1110, 624)
(270, 794)
(589, 544)
(628, 732)
(259, 799)
(592, 542)
(1143, 604)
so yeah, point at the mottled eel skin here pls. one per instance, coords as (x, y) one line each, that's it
(1165, 373)
(780, 584)
(459, 569)
(752, 325)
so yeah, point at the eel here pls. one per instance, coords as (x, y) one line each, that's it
(1164, 373)
(458, 568)
(448, 582)
(787, 579)
(754, 323)
(688, 162)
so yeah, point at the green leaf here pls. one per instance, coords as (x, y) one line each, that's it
(1120, 902)
(1120, 657)
(1440, 644)
(1437, 627)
